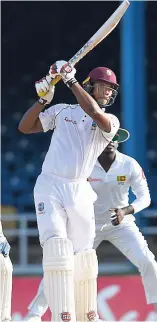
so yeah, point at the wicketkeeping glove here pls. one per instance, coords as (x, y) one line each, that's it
(5, 248)
(43, 86)
(65, 70)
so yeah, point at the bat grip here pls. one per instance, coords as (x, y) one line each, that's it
(56, 80)
(53, 82)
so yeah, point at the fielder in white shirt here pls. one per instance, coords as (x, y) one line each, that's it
(5, 279)
(111, 179)
(112, 176)
(65, 217)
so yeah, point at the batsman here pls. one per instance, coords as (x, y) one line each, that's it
(63, 197)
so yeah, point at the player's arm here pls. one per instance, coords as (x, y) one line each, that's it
(86, 101)
(31, 122)
(118, 214)
(139, 186)
(90, 106)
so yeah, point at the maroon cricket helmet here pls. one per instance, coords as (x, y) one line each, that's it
(102, 74)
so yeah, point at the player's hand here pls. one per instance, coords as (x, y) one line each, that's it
(45, 89)
(65, 70)
(4, 248)
(117, 216)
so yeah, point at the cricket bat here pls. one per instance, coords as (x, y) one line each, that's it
(101, 34)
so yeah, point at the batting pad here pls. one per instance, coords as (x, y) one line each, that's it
(85, 276)
(5, 287)
(58, 266)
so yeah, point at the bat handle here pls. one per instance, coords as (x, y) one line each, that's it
(53, 82)
(56, 80)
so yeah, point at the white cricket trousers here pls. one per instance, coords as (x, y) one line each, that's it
(66, 223)
(64, 209)
(130, 241)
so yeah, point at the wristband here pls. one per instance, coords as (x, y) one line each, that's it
(42, 101)
(71, 82)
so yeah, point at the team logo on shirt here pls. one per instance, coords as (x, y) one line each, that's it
(69, 120)
(41, 208)
(121, 179)
(94, 125)
(94, 179)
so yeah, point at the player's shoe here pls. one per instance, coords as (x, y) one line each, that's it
(32, 318)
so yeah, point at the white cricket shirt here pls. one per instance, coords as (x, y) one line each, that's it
(76, 142)
(2, 238)
(112, 187)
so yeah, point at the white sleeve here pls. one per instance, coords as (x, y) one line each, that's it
(1, 232)
(114, 127)
(2, 238)
(139, 187)
(47, 118)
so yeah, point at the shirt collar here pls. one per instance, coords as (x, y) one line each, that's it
(117, 159)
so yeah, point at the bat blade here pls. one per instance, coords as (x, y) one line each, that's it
(101, 34)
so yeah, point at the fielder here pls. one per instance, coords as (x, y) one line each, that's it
(112, 176)
(65, 217)
(115, 173)
(5, 279)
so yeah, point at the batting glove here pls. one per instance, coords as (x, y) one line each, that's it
(45, 90)
(4, 248)
(65, 70)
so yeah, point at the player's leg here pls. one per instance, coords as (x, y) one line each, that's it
(5, 288)
(58, 258)
(58, 266)
(38, 306)
(79, 200)
(85, 277)
(99, 236)
(86, 271)
(129, 240)
(81, 231)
